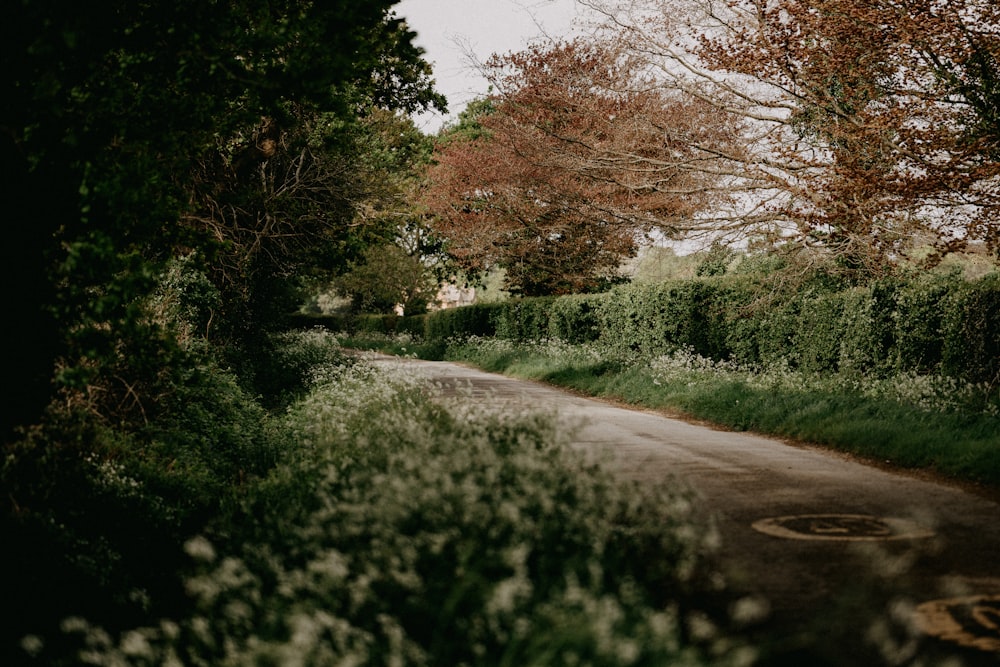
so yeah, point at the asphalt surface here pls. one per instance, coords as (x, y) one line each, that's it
(828, 560)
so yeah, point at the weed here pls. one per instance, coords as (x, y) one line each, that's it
(411, 529)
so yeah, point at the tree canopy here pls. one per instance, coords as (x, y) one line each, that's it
(849, 135)
(867, 124)
(574, 160)
(137, 131)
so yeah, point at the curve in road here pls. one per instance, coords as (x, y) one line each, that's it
(806, 531)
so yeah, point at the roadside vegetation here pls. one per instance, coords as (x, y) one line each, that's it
(926, 422)
(904, 371)
(396, 526)
(192, 474)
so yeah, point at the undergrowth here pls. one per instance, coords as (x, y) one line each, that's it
(402, 527)
(907, 419)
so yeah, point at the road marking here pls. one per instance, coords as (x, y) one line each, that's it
(972, 621)
(841, 527)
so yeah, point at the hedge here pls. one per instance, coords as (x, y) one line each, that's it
(970, 329)
(474, 320)
(926, 324)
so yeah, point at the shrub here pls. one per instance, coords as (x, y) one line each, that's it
(287, 361)
(377, 324)
(329, 321)
(820, 332)
(925, 324)
(474, 320)
(574, 318)
(971, 328)
(524, 319)
(921, 305)
(415, 325)
(418, 531)
(635, 319)
(869, 328)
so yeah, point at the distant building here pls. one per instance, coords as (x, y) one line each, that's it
(453, 296)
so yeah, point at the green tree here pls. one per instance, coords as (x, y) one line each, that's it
(169, 169)
(387, 277)
(109, 114)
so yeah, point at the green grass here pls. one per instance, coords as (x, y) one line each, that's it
(911, 422)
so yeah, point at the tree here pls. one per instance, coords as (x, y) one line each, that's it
(867, 123)
(576, 159)
(289, 207)
(169, 168)
(387, 278)
(109, 115)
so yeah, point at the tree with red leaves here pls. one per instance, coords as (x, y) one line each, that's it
(575, 157)
(869, 122)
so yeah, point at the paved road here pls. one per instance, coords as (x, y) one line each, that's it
(840, 552)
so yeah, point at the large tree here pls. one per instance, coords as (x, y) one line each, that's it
(300, 200)
(869, 123)
(575, 158)
(110, 114)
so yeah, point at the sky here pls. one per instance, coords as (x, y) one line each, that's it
(446, 29)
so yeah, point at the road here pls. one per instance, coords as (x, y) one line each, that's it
(853, 563)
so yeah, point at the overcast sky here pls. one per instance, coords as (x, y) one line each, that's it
(447, 28)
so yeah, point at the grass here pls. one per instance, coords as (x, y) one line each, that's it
(918, 422)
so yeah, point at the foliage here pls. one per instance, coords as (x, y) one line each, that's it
(173, 170)
(387, 277)
(716, 260)
(971, 328)
(574, 319)
(575, 159)
(931, 323)
(524, 319)
(656, 264)
(307, 195)
(474, 320)
(413, 530)
(125, 124)
(291, 360)
(108, 512)
(864, 125)
(908, 419)
(99, 516)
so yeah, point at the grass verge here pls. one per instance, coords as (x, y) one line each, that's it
(917, 422)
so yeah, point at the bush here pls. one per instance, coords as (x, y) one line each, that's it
(287, 360)
(99, 510)
(524, 319)
(635, 319)
(869, 328)
(474, 320)
(820, 333)
(926, 324)
(329, 321)
(971, 332)
(376, 324)
(415, 325)
(413, 531)
(921, 306)
(574, 318)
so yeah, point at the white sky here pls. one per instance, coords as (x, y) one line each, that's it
(449, 28)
